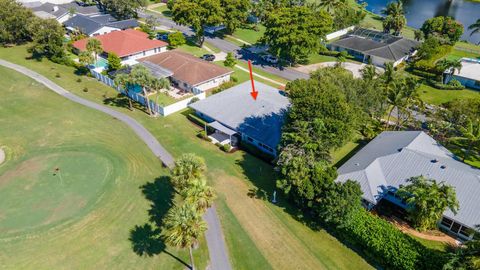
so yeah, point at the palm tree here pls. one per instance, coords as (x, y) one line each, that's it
(94, 46)
(394, 17)
(450, 65)
(470, 134)
(86, 58)
(369, 72)
(187, 168)
(199, 194)
(429, 200)
(475, 27)
(184, 226)
(331, 5)
(123, 80)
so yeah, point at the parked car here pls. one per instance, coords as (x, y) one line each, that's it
(208, 57)
(269, 59)
(163, 37)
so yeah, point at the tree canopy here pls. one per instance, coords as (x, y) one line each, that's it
(48, 36)
(442, 27)
(394, 18)
(295, 32)
(15, 22)
(198, 14)
(236, 13)
(428, 200)
(123, 9)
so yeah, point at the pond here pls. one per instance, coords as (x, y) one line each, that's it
(417, 11)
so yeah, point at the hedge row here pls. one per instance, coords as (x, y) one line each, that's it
(452, 85)
(199, 121)
(385, 244)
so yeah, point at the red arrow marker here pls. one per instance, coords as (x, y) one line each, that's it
(254, 93)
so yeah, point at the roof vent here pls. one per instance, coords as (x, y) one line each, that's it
(399, 149)
(434, 160)
(357, 164)
(55, 8)
(443, 167)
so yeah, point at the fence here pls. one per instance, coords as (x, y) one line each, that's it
(339, 33)
(162, 110)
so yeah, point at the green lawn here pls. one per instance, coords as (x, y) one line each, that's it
(270, 231)
(436, 96)
(263, 73)
(163, 99)
(435, 245)
(164, 10)
(70, 188)
(457, 54)
(248, 34)
(318, 58)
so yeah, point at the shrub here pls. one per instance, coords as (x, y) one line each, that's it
(79, 80)
(85, 89)
(384, 243)
(230, 60)
(226, 148)
(256, 152)
(199, 121)
(176, 39)
(329, 53)
(452, 85)
(223, 86)
(203, 135)
(233, 79)
(57, 75)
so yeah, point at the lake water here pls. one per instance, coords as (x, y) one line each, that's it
(417, 11)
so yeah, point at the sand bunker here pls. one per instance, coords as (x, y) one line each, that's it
(2, 155)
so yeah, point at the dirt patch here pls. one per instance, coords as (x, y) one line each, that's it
(25, 168)
(281, 248)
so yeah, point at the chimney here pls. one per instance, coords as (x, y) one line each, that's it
(55, 8)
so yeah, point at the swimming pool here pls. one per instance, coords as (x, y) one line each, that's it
(101, 62)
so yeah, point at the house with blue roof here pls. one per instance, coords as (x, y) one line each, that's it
(241, 119)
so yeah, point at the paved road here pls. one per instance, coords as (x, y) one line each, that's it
(227, 46)
(216, 244)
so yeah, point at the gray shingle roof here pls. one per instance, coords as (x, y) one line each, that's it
(235, 108)
(52, 9)
(395, 156)
(377, 44)
(89, 24)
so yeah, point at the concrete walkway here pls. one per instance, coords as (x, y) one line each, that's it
(214, 235)
(2, 155)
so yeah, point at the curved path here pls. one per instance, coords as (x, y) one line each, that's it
(216, 244)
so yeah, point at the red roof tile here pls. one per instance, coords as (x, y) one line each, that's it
(123, 43)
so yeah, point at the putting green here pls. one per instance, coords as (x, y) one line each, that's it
(48, 189)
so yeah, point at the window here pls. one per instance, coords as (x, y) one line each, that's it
(455, 227)
(465, 231)
(446, 222)
(143, 53)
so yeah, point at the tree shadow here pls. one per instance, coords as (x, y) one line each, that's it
(146, 240)
(121, 101)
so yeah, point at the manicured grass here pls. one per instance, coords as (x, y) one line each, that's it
(263, 73)
(457, 54)
(193, 49)
(435, 245)
(164, 10)
(163, 99)
(318, 58)
(79, 216)
(248, 34)
(436, 96)
(345, 152)
(283, 241)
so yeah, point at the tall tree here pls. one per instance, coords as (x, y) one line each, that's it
(184, 226)
(94, 46)
(123, 9)
(187, 168)
(236, 13)
(295, 32)
(428, 200)
(86, 58)
(198, 14)
(469, 135)
(48, 37)
(331, 5)
(395, 17)
(444, 27)
(199, 195)
(114, 62)
(15, 22)
(475, 27)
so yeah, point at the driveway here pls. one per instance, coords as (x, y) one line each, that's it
(354, 68)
